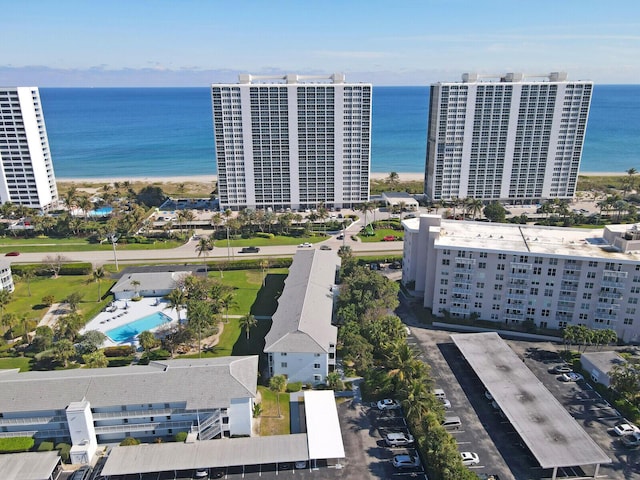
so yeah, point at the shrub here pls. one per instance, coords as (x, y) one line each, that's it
(180, 436)
(268, 235)
(129, 441)
(16, 444)
(45, 447)
(80, 268)
(64, 450)
(257, 410)
(120, 361)
(160, 354)
(137, 298)
(119, 351)
(294, 386)
(48, 300)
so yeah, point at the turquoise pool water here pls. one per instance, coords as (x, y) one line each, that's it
(101, 212)
(127, 332)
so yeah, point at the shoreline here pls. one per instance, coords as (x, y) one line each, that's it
(403, 177)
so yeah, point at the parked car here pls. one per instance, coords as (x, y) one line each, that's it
(446, 403)
(451, 423)
(406, 461)
(631, 441)
(395, 266)
(81, 474)
(398, 439)
(571, 377)
(250, 250)
(340, 237)
(388, 238)
(12, 254)
(488, 396)
(201, 474)
(325, 247)
(470, 458)
(300, 465)
(304, 245)
(388, 404)
(559, 369)
(622, 429)
(439, 393)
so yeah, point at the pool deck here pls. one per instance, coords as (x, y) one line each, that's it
(127, 311)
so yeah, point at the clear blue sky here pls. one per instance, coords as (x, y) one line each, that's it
(197, 42)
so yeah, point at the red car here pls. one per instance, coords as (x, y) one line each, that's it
(12, 254)
(389, 238)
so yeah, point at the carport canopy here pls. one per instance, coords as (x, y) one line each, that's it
(550, 432)
(323, 426)
(226, 452)
(29, 465)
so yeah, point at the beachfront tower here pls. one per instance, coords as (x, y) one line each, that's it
(514, 138)
(292, 141)
(26, 169)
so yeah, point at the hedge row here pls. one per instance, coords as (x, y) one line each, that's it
(75, 268)
(16, 444)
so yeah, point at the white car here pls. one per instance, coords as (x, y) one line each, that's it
(304, 245)
(625, 429)
(406, 461)
(446, 403)
(388, 404)
(470, 458)
(398, 439)
(571, 377)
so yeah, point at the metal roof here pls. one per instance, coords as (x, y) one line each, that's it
(302, 321)
(225, 452)
(550, 432)
(149, 281)
(29, 465)
(323, 426)
(200, 383)
(604, 361)
(323, 440)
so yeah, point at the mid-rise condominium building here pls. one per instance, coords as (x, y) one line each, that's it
(26, 169)
(292, 141)
(508, 273)
(516, 139)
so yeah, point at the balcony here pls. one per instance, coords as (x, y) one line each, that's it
(606, 316)
(611, 295)
(142, 427)
(612, 284)
(158, 412)
(5, 422)
(524, 276)
(460, 310)
(570, 277)
(613, 274)
(466, 261)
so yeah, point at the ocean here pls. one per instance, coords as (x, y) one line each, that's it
(164, 132)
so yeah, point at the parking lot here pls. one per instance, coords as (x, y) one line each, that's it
(487, 433)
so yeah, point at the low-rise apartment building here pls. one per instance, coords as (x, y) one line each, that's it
(302, 341)
(511, 273)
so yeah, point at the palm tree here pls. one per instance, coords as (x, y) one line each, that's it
(8, 322)
(5, 299)
(203, 248)
(365, 208)
(247, 322)
(27, 275)
(70, 198)
(176, 300)
(401, 207)
(98, 274)
(474, 206)
(135, 284)
(226, 301)
(264, 265)
(393, 179)
(630, 182)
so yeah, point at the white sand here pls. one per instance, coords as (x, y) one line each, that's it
(404, 177)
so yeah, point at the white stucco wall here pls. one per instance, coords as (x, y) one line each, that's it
(241, 416)
(301, 367)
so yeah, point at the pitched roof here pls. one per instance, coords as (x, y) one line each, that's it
(149, 281)
(302, 322)
(200, 383)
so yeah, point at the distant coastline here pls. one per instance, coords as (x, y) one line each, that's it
(404, 177)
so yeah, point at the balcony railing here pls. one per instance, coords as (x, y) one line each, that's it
(141, 427)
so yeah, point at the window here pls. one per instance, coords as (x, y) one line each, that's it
(586, 296)
(500, 266)
(316, 366)
(283, 354)
(553, 261)
(551, 272)
(499, 276)
(444, 281)
(588, 285)
(283, 364)
(502, 256)
(591, 274)
(628, 321)
(633, 301)
(480, 285)
(548, 292)
(537, 270)
(497, 287)
(317, 378)
(482, 265)
(445, 261)
(544, 312)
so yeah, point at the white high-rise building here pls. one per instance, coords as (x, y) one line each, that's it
(292, 141)
(26, 168)
(526, 274)
(514, 140)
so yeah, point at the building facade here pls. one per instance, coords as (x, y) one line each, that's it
(209, 398)
(6, 277)
(509, 273)
(292, 141)
(26, 168)
(301, 344)
(514, 140)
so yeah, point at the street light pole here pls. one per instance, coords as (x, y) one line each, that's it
(113, 237)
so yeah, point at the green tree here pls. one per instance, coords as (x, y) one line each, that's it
(393, 180)
(97, 275)
(247, 322)
(5, 300)
(625, 379)
(27, 275)
(43, 339)
(68, 326)
(148, 341)
(199, 317)
(9, 321)
(73, 300)
(91, 341)
(95, 359)
(176, 300)
(63, 350)
(278, 384)
(203, 247)
(151, 196)
(135, 284)
(495, 212)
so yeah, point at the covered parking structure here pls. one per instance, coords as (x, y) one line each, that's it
(549, 431)
(29, 465)
(323, 440)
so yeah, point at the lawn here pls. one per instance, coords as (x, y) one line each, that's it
(265, 242)
(32, 306)
(270, 422)
(55, 245)
(380, 233)
(15, 362)
(249, 295)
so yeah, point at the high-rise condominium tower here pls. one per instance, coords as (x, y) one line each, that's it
(26, 175)
(514, 139)
(292, 141)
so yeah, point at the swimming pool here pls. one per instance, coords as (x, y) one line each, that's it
(101, 212)
(127, 332)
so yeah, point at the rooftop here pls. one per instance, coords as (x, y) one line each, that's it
(218, 380)
(604, 361)
(28, 465)
(530, 239)
(302, 322)
(550, 432)
(149, 281)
